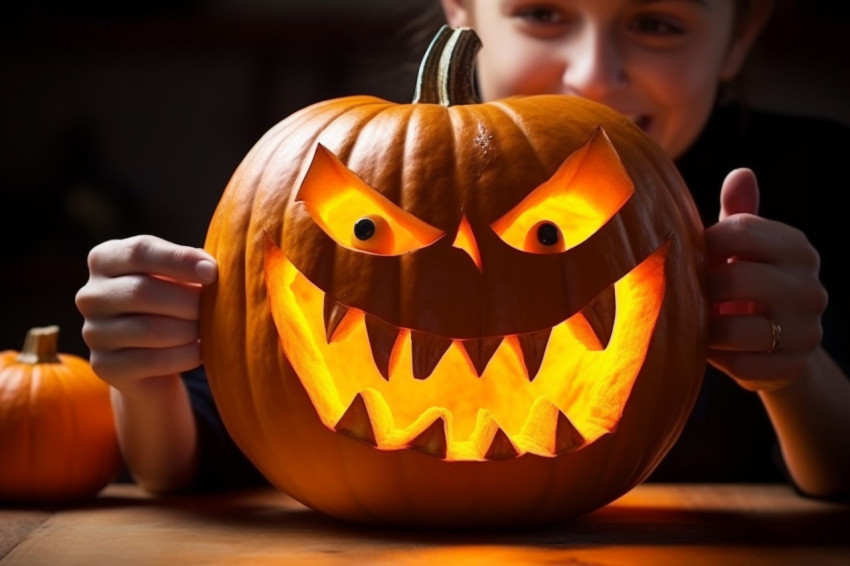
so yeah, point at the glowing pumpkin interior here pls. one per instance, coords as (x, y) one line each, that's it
(546, 391)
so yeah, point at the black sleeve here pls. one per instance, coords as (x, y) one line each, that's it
(800, 163)
(221, 464)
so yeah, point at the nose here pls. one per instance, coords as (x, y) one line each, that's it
(594, 65)
(465, 240)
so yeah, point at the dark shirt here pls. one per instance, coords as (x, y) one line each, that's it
(728, 437)
(799, 163)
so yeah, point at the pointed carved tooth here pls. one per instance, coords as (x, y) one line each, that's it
(334, 313)
(594, 325)
(501, 448)
(382, 339)
(480, 350)
(356, 423)
(432, 441)
(427, 351)
(583, 332)
(533, 347)
(567, 436)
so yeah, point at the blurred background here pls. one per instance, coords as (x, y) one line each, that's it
(130, 118)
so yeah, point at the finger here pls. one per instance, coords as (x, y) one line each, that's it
(138, 331)
(747, 237)
(766, 284)
(152, 255)
(138, 294)
(739, 193)
(136, 363)
(755, 333)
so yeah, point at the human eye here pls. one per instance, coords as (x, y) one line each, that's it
(658, 31)
(540, 15)
(656, 26)
(540, 19)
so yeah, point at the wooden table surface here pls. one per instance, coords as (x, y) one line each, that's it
(653, 524)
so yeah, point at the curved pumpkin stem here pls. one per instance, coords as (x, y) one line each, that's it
(40, 346)
(446, 75)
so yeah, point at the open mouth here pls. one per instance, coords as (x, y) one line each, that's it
(547, 392)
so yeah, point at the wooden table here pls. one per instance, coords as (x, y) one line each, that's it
(654, 524)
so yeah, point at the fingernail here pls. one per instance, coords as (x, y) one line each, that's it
(206, 271)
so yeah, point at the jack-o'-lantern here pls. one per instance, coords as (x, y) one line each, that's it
(451, 312)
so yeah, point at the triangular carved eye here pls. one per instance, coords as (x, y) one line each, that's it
(586, 191)
(357, 216)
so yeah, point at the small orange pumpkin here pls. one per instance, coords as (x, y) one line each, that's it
(455, 313)
(57, 435)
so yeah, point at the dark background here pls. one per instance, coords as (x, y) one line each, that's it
(131, 118)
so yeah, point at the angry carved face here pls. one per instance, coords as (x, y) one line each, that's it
(475, 314)
(493, 341)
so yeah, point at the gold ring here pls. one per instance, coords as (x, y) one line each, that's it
(776, 334)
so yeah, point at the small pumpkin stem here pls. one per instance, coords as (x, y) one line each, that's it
(447, 73)
(40, 346)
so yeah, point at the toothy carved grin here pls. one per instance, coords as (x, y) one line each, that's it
(471, 399)
(592, 327)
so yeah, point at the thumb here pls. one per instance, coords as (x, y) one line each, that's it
(739, 193)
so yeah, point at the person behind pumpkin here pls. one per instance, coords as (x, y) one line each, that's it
(662, 63)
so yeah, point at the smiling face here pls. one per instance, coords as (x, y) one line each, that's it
(658, 62)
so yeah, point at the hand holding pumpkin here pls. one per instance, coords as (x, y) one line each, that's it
(770, 271)
(141, 323)
(141, 308)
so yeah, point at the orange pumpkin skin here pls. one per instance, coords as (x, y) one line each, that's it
(57, 436)
(465, 163)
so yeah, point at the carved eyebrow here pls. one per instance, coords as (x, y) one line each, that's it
(337, 198)
(586, 191)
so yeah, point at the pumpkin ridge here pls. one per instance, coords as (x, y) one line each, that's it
(511, 116)
(347, 148)
(247, 294)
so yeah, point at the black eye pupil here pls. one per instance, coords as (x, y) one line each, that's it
(547, 234)
(364, 229)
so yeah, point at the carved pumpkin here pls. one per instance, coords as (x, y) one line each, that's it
(451, 312)
(57, 436)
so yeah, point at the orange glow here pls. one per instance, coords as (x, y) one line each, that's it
(586, 191)
(465, 240)
(337, 199)
(575, 386)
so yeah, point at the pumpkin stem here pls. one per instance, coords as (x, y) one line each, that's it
(446, 75)
(40, 346)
